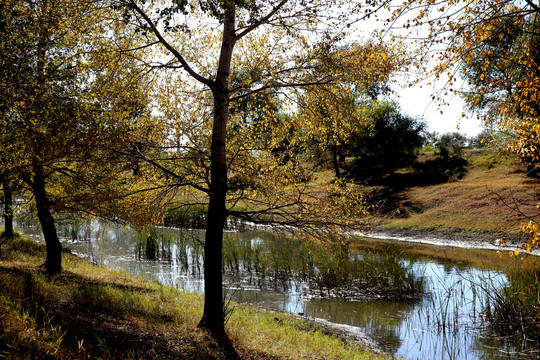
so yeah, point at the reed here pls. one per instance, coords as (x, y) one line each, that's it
(515, 309)
(194, 217)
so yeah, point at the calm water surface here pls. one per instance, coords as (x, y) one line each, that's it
(444, 324)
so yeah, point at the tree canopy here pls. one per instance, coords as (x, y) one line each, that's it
(390, 140)
(224, 69)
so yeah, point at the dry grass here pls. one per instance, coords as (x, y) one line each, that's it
(494, 196)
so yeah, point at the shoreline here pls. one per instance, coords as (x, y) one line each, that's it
(449, 238)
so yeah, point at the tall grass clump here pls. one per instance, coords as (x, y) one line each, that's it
(183, 248)
(516, 308)
(326, 269)
(77, 230)
(189, 217)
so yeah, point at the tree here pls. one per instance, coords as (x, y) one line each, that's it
(496, 74)
(496, 44)
(219, 53)
(331, 113)
(452, 142)
(63, 102)
(7, 191)
(29, 69)
(389, 140)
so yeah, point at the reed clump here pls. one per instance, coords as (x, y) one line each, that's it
(195, 216)
(183, 248)
(271, 261)
(326, 269)
(516, 308)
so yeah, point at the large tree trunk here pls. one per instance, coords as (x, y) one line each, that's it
(53, 264)
(213, 317)
(8, 209)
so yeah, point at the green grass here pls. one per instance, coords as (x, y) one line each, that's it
(88, 311)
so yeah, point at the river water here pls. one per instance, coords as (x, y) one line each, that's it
(444, 324)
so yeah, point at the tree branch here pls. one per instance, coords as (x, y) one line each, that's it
(169, 47)
(278, 86)
(261, 21)
(535, 7)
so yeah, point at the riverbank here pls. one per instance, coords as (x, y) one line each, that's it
(490, 200)
(449, 238)
(90, 312)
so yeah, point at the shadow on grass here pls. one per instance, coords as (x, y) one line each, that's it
(95, 319)
(439, 170)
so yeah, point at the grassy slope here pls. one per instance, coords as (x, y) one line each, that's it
(91, 312)
(493, 197)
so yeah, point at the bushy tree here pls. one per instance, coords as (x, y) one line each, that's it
(63, 100)
(390, 140)
(452, 143)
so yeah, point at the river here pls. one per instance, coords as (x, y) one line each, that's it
(445, 323)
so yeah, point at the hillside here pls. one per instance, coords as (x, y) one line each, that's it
(492, 196)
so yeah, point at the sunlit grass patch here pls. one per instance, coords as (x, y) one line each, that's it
(289, 337)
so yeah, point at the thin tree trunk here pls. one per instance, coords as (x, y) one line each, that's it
(53, 263)
(335, 160)
(213, 317)
(8, 209)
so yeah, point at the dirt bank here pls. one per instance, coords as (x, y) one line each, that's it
(453, 238)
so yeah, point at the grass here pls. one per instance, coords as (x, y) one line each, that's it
(88, 311)
(493, 197)
(516, 309)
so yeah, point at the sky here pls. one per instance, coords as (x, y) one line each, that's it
(417, 102)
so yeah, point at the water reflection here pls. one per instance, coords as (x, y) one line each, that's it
(443, 325)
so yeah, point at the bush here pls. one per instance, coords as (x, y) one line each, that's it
(390, 141)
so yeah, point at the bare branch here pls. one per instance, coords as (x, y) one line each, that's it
(261, 21)
(169, 47)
